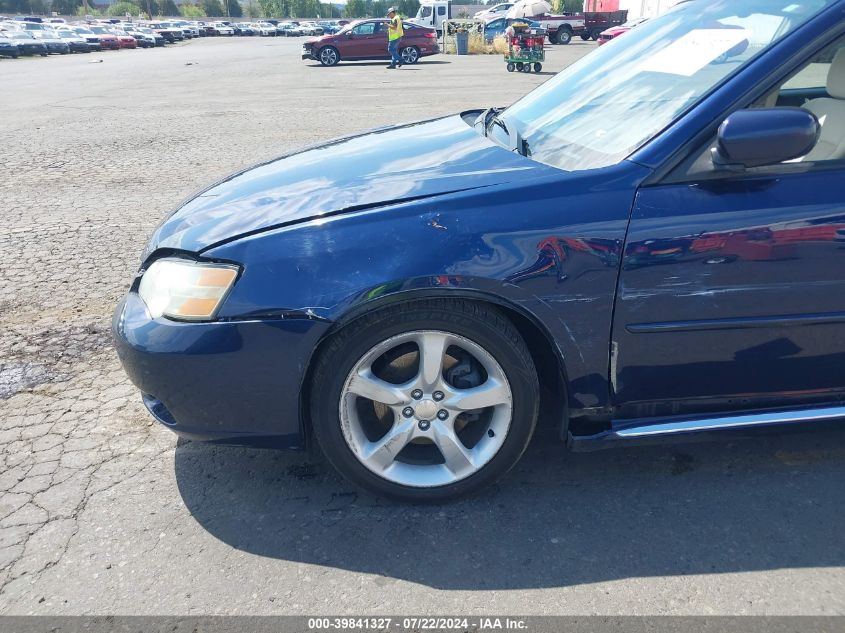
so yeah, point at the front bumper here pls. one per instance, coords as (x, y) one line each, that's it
(236, 382)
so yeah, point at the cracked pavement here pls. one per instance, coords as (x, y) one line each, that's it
(102, 511)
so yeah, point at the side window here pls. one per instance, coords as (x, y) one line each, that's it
(368, 28)
(441, 10)
(495, 25)
(819, 87)
(426, 12)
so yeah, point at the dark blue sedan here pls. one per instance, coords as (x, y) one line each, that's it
(647, 246)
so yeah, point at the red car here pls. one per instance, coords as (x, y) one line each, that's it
(367, 39)
(107, 40)
(124, 39)
(616, 31)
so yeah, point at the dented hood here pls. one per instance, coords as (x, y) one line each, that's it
(379, 168)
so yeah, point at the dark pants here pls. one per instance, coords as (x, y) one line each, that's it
(393, 49)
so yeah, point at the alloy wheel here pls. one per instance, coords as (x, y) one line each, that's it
(328, 56)
(410, 55)
(426, 408)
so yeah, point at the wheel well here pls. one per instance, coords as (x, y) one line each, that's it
(551, 372)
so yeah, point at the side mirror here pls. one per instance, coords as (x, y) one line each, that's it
(765, 136)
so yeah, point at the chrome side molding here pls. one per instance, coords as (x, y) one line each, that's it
(728, 422)
(645, 430)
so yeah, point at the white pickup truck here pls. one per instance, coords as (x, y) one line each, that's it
(560, 28)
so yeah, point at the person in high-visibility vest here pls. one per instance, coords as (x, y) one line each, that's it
(394, 36)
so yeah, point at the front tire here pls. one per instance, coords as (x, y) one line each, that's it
(564, 36)
(425, 401)
(329, 56)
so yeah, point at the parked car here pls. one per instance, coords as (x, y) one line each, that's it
(76, 43)
(265, 29)
(8, 48)
(289, 29)
(615, 31)
(223, 29)
(242, 29)
(367, 39)
(310, 28)
(496, 11)
(54, 43)
(33, 26)
(27, 43)
(158, 38)
(108, 40)
(329, 28)
(206, 29)
(497, 26)
(191, 30)
(169, 34)
(400, 296)
(144, 40)
(124, 39)
(94, 42)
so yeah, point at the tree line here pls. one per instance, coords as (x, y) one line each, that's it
(378, 8)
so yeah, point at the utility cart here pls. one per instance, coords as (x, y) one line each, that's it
(526, 50)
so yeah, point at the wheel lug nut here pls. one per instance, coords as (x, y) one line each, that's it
(442, 414)
(438, 396)
(407, 412)
(424, 424)
(416, 394)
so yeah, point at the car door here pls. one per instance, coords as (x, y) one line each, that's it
(732, 288)
(361, 42)
(379, 42)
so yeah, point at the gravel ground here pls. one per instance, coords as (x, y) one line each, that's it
(102, 511)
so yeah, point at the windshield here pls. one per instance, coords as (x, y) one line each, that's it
(605, 106)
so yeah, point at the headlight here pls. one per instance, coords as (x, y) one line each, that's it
(183, 289)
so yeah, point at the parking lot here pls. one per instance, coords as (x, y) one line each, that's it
(102, 511)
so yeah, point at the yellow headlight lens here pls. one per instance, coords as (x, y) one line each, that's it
(184, 289)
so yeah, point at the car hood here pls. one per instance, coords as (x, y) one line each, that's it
(376, 169)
